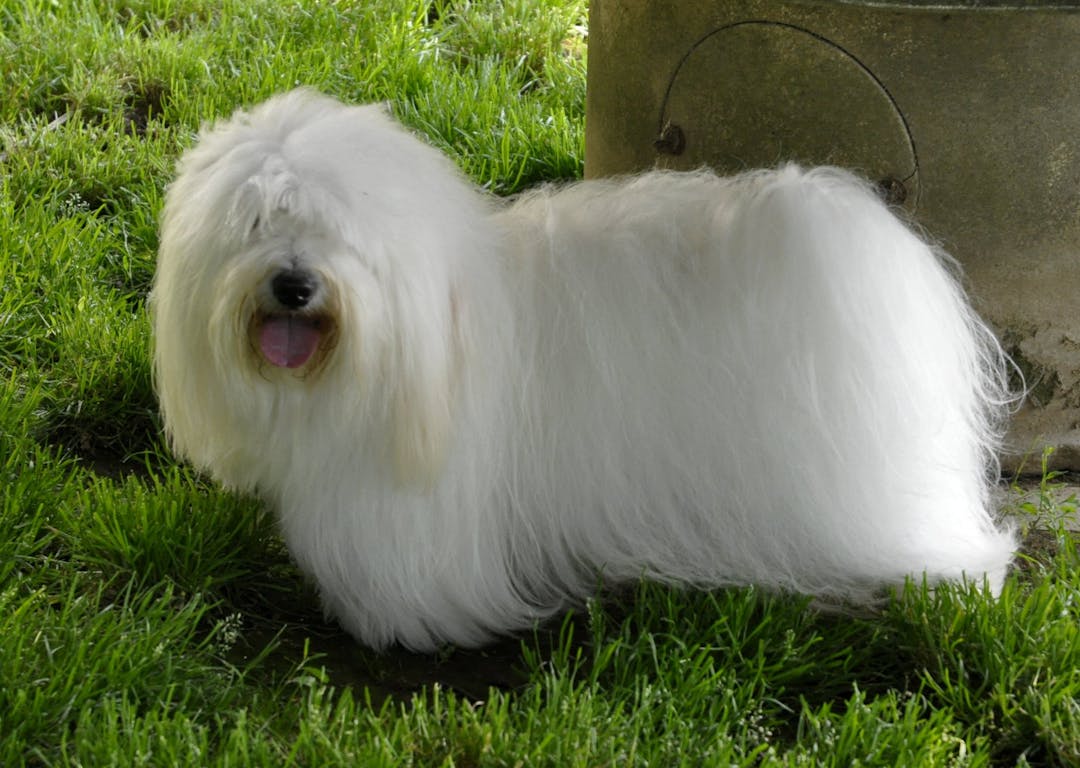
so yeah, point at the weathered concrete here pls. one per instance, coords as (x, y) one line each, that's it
(968, 113)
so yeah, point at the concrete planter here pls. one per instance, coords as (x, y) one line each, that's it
(968, 114)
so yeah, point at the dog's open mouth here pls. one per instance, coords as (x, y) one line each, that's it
(290, 340)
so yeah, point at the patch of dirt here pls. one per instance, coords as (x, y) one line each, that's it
(143, 105)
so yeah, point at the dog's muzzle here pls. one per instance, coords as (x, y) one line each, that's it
(290, 332)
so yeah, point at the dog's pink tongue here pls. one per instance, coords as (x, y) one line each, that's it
(287, 341)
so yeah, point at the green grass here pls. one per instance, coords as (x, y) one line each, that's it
(147, 618)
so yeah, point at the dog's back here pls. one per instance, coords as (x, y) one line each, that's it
(762, 379)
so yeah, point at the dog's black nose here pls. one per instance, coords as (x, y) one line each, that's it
(293, 288)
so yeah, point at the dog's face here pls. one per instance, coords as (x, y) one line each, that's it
(307, 268)
(286, 279)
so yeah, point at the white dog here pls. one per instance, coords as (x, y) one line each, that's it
(467, 413)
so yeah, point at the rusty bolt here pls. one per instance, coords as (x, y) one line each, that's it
(671, 140)
(892, 190)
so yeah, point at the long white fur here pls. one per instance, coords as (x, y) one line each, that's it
(763, 379)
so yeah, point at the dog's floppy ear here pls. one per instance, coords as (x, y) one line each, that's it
(421, 431)
(423, 400)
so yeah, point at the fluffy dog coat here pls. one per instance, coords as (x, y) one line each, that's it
(466, 412)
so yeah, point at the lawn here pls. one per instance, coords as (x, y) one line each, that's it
(147, 618)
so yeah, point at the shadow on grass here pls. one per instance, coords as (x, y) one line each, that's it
(395, 674)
